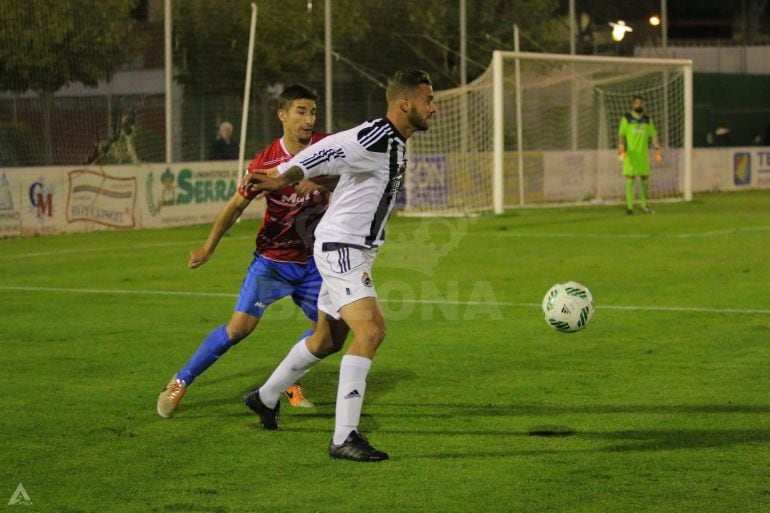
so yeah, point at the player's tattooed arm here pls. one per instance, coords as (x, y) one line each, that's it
(293, 175)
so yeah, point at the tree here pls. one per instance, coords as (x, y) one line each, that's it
(212, 38)
(371, 39)
(211, 42)
(398, 34)
(378, 37)
(45, 46)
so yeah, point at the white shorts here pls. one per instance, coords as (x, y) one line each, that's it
(346, 273)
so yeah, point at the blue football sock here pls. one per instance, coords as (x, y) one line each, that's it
(215, 345)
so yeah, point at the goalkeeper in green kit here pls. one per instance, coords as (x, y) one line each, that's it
(634, 135)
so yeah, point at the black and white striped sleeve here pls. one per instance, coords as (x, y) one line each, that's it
(322, 158)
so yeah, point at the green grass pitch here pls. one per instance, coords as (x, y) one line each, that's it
(662, 404)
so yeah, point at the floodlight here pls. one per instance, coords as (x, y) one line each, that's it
(619, 29)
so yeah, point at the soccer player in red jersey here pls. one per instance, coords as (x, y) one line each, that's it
(283, 263)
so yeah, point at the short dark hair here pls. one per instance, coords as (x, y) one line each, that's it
(296, 92)
(405, 81)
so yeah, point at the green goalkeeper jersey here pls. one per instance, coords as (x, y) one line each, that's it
(636, 130)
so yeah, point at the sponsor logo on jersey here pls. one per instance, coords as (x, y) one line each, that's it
(296, 198)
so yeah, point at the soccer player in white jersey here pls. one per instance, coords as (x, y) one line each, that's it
(370, 160)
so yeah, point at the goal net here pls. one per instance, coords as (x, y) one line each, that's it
(539, 129)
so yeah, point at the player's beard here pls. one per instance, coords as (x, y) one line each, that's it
(419, 123)
(639, 110)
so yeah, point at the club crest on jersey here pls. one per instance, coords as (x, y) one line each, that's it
(367, 280)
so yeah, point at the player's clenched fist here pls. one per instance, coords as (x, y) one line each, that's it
(198, 257)
(256, 177)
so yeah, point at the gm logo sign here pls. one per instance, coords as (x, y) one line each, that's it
(741, 169)
(41, 199)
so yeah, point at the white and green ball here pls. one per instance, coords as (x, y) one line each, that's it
(568, 306)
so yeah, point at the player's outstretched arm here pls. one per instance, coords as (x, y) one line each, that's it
(268, 180)
(223, 222)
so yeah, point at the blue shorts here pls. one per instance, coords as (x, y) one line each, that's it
(267, 281)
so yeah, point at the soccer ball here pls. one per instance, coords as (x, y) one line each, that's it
(568, 306)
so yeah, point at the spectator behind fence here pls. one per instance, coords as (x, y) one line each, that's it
(723, 136)
(224, 148)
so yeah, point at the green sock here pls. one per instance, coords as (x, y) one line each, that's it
(630, 193)
(645, 192)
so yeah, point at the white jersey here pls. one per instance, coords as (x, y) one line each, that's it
(371, 162)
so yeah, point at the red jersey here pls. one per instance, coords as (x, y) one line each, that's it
(286, 234)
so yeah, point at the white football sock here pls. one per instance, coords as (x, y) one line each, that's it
(292, 367)
(350, 395)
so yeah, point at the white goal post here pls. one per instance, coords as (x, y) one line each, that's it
(541, 129)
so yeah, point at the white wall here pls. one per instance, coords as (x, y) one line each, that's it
(731, 169)
(40, 201)
(570, 175)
